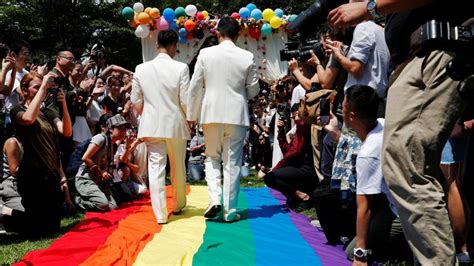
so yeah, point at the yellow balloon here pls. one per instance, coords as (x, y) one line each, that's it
(268, 14)
(205, 13)
(143, 18)
(154, 13)
(275, 22)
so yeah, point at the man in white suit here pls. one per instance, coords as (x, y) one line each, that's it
(159, 93)
(225, 77)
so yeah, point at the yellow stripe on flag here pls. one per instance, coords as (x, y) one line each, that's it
(179, 240)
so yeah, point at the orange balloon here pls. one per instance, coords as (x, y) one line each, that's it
(143, 18)
(244, 31)
(147, 10)
(154, 13)
(133, 23)
(189, 25)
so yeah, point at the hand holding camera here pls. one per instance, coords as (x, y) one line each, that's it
(8, 63)
(293, 64)
(314, 60)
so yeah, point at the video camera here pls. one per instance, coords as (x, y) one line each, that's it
(97, 51)
(302, 51)
(436, 35)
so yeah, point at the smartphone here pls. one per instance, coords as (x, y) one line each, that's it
(324, 107)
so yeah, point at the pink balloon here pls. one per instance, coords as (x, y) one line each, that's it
(162, 24)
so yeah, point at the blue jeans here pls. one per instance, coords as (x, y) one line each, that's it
(195, 171)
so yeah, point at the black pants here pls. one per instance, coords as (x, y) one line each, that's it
(289, 179)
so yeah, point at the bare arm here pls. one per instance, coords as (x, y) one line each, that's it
(63, 126)
(304, 81)
(106, 72)
(12, 151)
(363, 220)
(7, 64)
(354, 13)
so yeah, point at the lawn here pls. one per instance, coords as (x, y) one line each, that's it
(14, 247)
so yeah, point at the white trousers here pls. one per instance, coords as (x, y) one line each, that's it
(224, 148)
(157, 151)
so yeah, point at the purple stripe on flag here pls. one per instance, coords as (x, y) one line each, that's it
(329, 255)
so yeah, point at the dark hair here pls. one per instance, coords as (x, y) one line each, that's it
(166, 38)
(364, 101)
(103, 121)
(228, 27)
(17, 45)
(324, 29)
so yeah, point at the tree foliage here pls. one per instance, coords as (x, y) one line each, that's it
(50, 26)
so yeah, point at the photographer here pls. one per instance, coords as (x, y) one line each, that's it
(40, 179)
(422, 108)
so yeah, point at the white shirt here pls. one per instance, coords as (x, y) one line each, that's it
(370, 178)
(298, 93)
(13, 99)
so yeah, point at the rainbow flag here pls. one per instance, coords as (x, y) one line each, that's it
(267, 234)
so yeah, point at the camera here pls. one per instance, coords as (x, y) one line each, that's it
(314, 15)
(436, 35)
(4, 50)
(302, 51)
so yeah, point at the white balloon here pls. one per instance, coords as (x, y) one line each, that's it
(142, 31)
(191, 10)
(138, 7)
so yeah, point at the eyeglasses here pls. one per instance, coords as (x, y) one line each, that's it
(68, 58)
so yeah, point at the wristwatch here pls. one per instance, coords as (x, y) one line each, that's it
(361, 253)
(372, 8)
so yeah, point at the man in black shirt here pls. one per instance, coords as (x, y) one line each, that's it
(423, 106)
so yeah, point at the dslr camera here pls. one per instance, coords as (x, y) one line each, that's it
(302, 51)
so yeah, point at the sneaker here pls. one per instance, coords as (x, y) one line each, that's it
(212, 211)
(2, 229)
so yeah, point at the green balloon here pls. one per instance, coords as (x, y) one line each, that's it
(180, 12)
(292, 18)
(127, 13)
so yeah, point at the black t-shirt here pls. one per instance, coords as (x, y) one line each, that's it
(400, 26)
(110, 105)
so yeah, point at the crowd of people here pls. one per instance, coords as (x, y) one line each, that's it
(383, 167)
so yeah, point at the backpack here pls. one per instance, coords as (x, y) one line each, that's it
(76, 157)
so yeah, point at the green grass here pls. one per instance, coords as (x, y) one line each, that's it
(13, 247)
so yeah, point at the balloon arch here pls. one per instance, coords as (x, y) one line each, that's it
(264, 33)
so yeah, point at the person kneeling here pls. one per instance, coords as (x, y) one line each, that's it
(94, 175)
(294, 175)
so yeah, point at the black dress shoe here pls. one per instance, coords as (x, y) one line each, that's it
(212, 211)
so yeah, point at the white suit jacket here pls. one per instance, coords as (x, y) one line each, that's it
(225, 77)
(162, 85)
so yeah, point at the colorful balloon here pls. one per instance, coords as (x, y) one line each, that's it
(162, 24)
(138, 7)
(173, 25)
(268, 14)
(180, 12)
(200, 16)
(154, 13)
(147, 10)
(235, 15)
(191, 10)
(251, 7)
(142, 31)
(169, 14)
(206, 14)
(255, 33)
(279, 12)
(182, 32)
(143, 18)
(275, 22)
(266, 29)
(189, 25)
(292, 18)
(127, 13)
(182, 39)
(133, 23)
(256, 14)
(244, 12)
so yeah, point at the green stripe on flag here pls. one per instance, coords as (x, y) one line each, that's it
(228, 243)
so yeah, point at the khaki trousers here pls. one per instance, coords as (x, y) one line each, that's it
(316, 145)
(422, 107)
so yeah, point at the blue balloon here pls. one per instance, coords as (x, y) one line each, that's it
(244, 12)
(183, 32)
(168, 14)
(251, 7)
(256, 14)
(173, 25)
(182, 39)
(278, 12)
(266, 29)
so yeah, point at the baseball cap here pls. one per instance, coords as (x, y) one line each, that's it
(117, 120)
